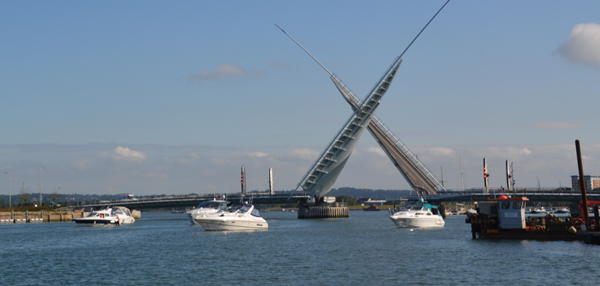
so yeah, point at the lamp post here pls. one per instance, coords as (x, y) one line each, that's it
(9, 190)
(42, 168)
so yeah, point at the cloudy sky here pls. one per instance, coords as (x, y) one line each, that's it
(162, 97)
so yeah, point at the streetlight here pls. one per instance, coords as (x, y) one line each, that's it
(9, 190)
(42, 168)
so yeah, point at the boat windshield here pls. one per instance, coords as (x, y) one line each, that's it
(255, 212)
(213, 205)
(245, 208)
(233, 208)
(413, 207)
(98, 214)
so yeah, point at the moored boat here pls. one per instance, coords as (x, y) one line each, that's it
(505, 218)
(207, 207)
(418, 215)
(235, 217)
(109, 216)
(371, 208)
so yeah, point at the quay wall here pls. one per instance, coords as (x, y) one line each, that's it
(37, 217)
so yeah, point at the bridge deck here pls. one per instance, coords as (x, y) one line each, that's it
(546, 196)
(192, 201)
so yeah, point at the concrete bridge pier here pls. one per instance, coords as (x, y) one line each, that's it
(136, 214)
(322, 211)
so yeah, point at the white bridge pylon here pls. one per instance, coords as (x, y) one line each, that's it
(415, 172)
(322, 175)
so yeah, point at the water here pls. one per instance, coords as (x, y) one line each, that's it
(367, 248)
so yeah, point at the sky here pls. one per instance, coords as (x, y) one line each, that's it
(173, 97)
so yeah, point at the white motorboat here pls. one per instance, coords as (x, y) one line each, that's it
(207, 207)
(418, 215)
(539, 210)
(235, 217)
(109, 216)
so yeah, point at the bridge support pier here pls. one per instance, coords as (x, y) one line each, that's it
(321, 211)
(136, 214)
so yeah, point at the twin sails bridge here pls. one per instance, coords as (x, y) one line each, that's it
(321, 176)
(323, 173)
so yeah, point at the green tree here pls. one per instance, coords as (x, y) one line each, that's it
(348, 200)
(55, 195)
(24, 197)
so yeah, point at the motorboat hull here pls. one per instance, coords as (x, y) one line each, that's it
(230, 225)
(418, 222)
(192, 220)
(106, 217)
(96, 222)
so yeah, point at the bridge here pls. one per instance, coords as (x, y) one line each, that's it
(192, 201)
(534, 195)
(414, 171)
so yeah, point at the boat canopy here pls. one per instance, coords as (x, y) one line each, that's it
(242, 208)
(417, 207)
(218, 205)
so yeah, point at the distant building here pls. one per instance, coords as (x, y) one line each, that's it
(591, 182)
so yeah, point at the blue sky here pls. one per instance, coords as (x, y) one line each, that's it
(153, 97)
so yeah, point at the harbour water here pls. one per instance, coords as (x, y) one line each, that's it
(364, 249)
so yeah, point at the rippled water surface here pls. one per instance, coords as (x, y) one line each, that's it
(367, 248)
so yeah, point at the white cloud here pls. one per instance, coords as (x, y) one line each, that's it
(279, 65)
(189, 159)
(377, 150)
(124, 153)
(223, 71)
(182, 170)
(524, 151)
(555, 125)
(84, 164)
(256, 154)
(441, 151)
(503, 152)
(304, 154)
(583, 44)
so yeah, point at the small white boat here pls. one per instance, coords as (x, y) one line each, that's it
(207, 207)
(109, 216)
(418, 215)
(235, 217)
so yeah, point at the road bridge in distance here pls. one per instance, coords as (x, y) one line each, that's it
(534, 195)
(194, 200)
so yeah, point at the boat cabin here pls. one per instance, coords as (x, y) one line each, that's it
(422, 208)
(214, 204)
(509, 211)
(244, 208)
